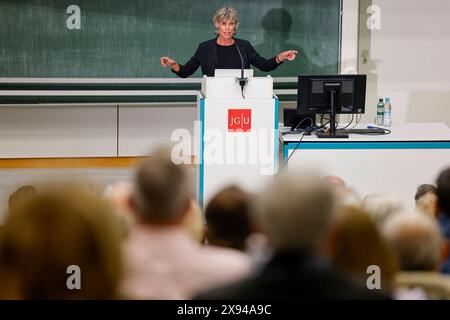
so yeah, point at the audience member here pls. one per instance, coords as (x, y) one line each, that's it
(296, 212)
(50, 233)
(357, 243)
(227, 218)
(118, 196)
(381, 206)
(424, 189)
(345, 194)
(162, 260)
(417, 241)
(193, 221)
(21, 195)
(426, 199)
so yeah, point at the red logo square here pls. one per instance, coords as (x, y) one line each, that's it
(239, 120)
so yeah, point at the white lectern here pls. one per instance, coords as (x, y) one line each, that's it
(238, 137)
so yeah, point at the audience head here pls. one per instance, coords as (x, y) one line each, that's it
(161, 190)
(335, 180)
(428, 204)
(381, 206)
(20, 196)
(426, 199)
(193, 221)
(118, 196)
(227, 218)
(296, 211)
(424, 189)
(345, 195)
(357, 243)
(416, 239)
(49, 233)
(443, 191)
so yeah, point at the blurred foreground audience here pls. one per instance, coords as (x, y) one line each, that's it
(162, 260)
(296, 212)
(382, 206)
(193, 221)
(229, 225)
(21, 195)
(227, 218)
(356, 243)
(416, 239)
(426, 199)
(51, 231)
(345, 194)
(118, 195)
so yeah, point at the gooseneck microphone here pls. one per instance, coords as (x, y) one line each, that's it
(242, 80)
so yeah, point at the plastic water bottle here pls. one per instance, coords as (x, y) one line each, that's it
(380, 112)
(387, 113)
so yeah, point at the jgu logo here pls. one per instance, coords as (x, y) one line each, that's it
(239, 120)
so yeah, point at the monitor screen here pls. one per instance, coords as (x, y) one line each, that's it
(314, 95)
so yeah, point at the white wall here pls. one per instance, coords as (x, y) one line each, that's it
(35, 131)
(409, 59)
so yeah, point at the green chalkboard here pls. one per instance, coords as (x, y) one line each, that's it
(125, 38)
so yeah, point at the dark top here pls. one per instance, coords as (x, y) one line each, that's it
(228, 57)
(290, 275)
(206, 56)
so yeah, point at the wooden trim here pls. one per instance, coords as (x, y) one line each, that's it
(51, 163)
(33, 163)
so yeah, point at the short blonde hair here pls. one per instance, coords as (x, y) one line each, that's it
(227, 13)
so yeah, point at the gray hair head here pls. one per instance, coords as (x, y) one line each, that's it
(296, 211)
(161, 189)
(417, 240)
(382, 206)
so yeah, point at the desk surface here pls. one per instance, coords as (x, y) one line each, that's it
(399, 132)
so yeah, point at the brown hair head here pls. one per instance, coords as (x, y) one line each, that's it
(52, 231)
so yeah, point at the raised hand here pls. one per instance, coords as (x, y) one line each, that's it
(287, 55)
(166, 61)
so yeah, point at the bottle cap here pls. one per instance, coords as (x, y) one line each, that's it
(388, 100)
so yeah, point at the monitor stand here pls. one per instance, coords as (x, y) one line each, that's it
(332, 89)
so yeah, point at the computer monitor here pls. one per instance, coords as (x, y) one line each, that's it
(331, 94)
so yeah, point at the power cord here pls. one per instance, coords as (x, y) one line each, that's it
(295, 148)
(298, 125)
(357, 121)
(348, 125)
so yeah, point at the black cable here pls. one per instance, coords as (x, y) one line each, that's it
(357, 121)
(328, 121)
(295, 148)
(301, 121)
(348, 125)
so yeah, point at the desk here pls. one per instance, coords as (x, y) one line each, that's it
(414, 153)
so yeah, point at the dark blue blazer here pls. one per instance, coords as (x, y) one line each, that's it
(206, 57)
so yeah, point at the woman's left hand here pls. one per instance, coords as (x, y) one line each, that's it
(289, 55)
